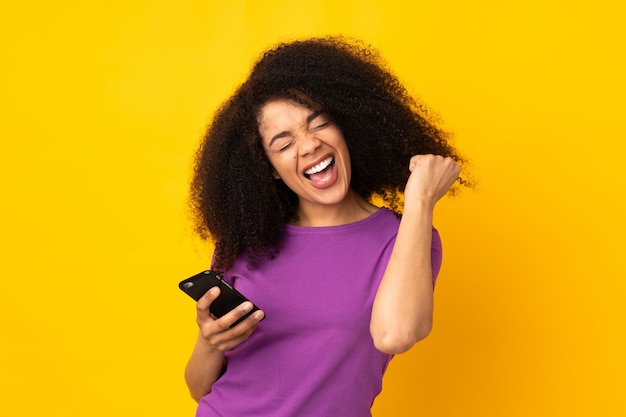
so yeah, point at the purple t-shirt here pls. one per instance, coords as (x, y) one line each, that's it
(313, 355)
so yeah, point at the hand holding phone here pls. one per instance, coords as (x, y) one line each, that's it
(229, 298)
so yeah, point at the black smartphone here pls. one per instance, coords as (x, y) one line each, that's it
(229, 298)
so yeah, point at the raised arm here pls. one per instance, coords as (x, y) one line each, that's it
(403, 307)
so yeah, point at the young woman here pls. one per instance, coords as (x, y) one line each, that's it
(288, 183)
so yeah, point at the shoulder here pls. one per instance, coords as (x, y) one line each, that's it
(385, 217)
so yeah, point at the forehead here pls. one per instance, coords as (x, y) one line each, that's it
(282, 111)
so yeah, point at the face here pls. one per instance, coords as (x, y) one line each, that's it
(308, 152)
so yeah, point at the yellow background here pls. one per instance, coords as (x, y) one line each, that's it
(103, 104)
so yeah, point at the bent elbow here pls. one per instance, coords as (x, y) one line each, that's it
(394, 343)
(197, 395)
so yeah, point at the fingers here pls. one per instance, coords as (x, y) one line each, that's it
(431, 176)
(219, 335)
(227, 321)
(436, 161)
(217, 332)
(202, 306)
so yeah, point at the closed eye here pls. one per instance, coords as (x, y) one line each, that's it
(317, 121)
(319, 126)
(280, 141)
(284, 145)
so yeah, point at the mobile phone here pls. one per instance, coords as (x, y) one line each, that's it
(229, 298)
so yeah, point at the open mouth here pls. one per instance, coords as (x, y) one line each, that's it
(321, 171)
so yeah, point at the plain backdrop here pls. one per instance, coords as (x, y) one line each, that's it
(102, 107)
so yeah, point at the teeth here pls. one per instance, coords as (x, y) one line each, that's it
(319, 167)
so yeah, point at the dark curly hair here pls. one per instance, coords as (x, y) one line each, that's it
(234, 197)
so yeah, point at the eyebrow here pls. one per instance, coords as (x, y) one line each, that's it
(309, 119)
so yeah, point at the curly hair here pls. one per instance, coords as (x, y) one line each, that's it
(235, 199)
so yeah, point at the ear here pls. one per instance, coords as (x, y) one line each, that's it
(275, 174)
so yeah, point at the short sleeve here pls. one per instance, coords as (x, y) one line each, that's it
(436, 255)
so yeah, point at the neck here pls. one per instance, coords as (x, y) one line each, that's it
(352, 209)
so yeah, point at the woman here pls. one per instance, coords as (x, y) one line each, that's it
(285, 182)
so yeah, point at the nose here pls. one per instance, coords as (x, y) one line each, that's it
(309, 143)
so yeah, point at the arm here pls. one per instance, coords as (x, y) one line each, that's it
(206, 363)
(403, 307)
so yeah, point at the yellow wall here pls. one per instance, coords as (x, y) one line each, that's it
(103, 104)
